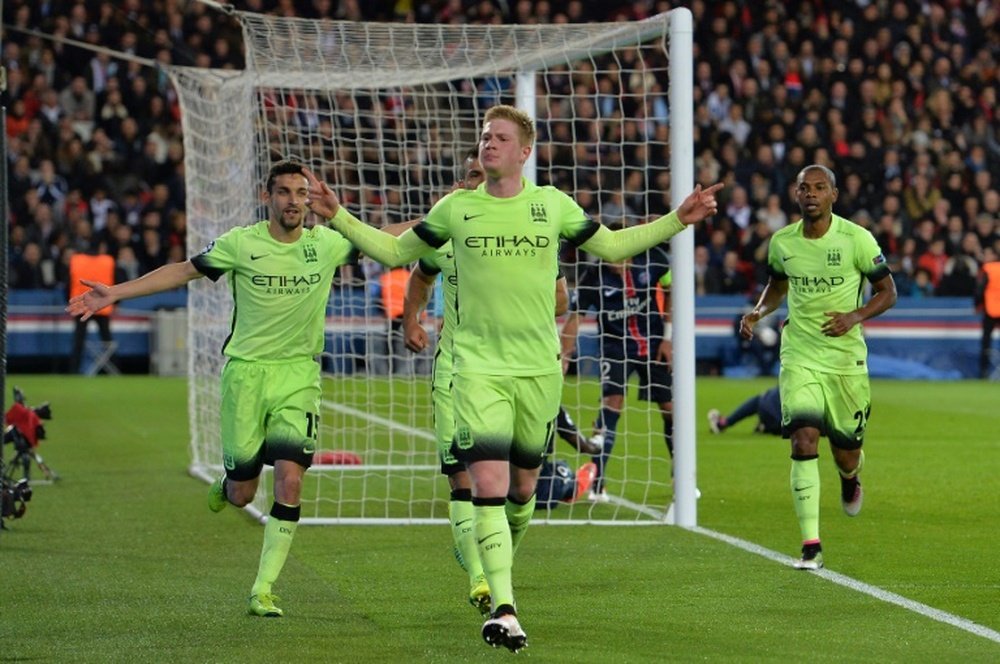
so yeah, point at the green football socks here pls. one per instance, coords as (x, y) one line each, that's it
(805, 494)
(278, 534)
(518, 517)
(496, 552)
(460, 514)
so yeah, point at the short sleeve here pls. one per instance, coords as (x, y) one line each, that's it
(870, 260)
(219, 256)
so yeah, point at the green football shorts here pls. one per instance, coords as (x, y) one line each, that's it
(836, 405)
(270, 411)
(444, 412)
(505, 418)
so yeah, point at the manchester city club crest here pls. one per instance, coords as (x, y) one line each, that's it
(309, 251)
(833, 257)
(538, 215)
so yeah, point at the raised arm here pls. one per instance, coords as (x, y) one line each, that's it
(618, 245)
(382, 247)
(168, 277)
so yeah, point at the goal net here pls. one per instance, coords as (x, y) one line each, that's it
(386, 113)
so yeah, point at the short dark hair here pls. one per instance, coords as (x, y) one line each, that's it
(283, 167)
(823, 169)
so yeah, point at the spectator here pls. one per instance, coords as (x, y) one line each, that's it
(78, 102)
(729, 278)
(33, 269)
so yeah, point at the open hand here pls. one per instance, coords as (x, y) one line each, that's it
(89, 303)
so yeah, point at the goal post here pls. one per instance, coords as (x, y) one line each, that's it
(385, 113)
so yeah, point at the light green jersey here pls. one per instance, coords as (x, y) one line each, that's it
(824, 274)
(442, 262)
(280, 290)
(506, 264)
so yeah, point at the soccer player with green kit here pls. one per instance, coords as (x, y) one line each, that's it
(280, 273)
(507, 373)
(821, 263)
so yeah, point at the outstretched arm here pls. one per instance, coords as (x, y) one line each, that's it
(172, 275)
(627, 242)
(382, 247)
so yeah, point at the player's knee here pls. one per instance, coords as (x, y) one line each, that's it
(240, 494)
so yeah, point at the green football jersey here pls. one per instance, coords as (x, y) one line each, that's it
(506, 253)
(824, 274)
(442, 262)
(280, 290)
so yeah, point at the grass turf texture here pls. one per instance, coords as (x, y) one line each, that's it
(122, 561)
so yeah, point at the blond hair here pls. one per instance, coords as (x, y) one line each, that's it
(525, 125)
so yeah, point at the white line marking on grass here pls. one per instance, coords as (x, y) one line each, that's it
(375, 419)
(859, 586)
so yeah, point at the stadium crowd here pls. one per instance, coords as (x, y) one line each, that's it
(898, 97)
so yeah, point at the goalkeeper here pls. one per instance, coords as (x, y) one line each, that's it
(507, 374)
(280, 274)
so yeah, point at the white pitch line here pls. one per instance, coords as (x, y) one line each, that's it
(750, 547)
(859, 586)
(375, 419)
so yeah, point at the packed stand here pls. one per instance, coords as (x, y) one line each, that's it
(898, 98)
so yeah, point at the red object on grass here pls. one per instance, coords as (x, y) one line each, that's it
(336, 458)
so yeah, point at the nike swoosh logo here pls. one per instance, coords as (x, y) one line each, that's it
(471, 216)
(801, 488)
(786, 258)
(459, 523)
(253, 257)
(487, 537)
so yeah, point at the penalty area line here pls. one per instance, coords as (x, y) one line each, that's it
(859, 586)
(381, 421)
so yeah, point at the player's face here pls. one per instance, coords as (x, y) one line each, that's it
(815, 195)
(500, 149)
(474, 174)
(287, 200)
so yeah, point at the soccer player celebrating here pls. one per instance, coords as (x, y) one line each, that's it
(418, 292)
(632, 331)
(819, 263)
(507, 374)
(280, 274)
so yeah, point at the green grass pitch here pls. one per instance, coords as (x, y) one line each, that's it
(121, 561)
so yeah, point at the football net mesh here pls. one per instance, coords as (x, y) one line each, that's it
(385, 113)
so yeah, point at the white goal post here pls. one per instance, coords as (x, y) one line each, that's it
(385, 113)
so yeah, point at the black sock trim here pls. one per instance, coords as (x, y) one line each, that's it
(489, 502)
(504, 610)
(286, 512)
(804, 457)
(512, 499)
(465, 495)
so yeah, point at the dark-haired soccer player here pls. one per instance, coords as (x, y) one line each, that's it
(632, 332)
(507, 376)
(280, 274)
(821, 263)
